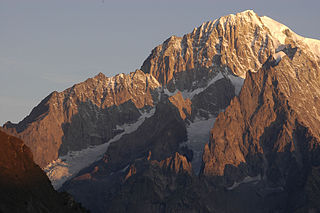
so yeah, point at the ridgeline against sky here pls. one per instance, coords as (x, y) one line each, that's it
(50, 45)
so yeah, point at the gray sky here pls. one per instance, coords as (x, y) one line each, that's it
(49, 45)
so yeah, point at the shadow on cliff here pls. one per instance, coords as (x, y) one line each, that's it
(92, 125)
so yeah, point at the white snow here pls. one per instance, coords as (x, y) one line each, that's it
(277, 31)
(65, 167)
(190, 94)
(278, 56)
(198, 135)
(167, 92)
(248, 16)
(125, 168)
(237, 83)
(247, 179)
(314, 45)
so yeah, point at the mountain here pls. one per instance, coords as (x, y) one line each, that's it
(24, 186)
(141, 138)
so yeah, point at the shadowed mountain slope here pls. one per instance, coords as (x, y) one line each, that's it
(24, 186)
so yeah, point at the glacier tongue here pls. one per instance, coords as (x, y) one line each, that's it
(198, 135)
(67, 166)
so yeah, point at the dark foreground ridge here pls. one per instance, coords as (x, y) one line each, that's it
(24, 186)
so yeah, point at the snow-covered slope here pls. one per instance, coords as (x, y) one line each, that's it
(282, 34)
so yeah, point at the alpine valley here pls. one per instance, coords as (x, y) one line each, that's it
(223, 119)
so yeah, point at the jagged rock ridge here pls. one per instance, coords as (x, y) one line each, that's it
(85, 114)
(239, 42)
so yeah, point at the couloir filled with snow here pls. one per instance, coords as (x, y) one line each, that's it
(198, 135)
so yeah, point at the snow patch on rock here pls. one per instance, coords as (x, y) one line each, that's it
(247, 179)
(190, 94)
(237, 83)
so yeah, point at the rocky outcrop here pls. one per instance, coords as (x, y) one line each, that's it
(24, 186)
(85, 114)
(270, 131)
(177, 163)
(183, 105)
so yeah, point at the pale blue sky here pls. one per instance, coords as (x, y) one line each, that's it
(49, 45)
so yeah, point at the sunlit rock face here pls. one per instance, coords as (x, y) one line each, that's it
(271, 131)
(280, 100)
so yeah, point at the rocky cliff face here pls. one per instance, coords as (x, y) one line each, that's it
(24, 186)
